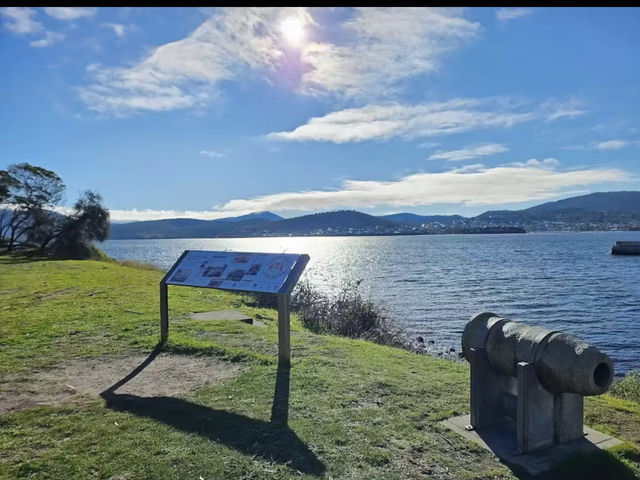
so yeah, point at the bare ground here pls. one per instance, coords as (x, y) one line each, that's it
(84, 379)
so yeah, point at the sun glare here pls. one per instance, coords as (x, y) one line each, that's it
(293, 30)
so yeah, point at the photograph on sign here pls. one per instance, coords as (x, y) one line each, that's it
(253, 272)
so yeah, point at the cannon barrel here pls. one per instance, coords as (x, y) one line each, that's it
(563, 363)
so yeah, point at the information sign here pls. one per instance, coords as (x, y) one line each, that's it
(250, 272)
(275, 273)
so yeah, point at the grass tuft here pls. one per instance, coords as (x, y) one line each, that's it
(627, 388)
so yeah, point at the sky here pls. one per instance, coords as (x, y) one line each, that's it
(218, 112)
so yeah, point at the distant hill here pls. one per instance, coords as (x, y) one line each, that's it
(597, 208)
(596, 211)
(343, 219)
(190, 227)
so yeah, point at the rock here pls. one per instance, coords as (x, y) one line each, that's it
(420, 340)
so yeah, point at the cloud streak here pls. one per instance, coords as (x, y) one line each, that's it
(473, 185)
(610, 145)
(186, 73)
(377, 122)
(482, 186)
(381, 48)
(470, 153)
(18, 20)
(70, 13)
(506, 14)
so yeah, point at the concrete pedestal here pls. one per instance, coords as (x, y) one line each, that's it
(500, 439)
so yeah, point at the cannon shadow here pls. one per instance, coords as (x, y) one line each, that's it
(272, 440)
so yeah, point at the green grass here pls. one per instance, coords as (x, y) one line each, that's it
(357, 410)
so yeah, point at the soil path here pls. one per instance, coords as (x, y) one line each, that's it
(82, 379)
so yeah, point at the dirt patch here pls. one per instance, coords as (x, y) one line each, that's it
(78, 380)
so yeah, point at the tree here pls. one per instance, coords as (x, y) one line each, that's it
(89, 222)
(6, 183)
(33, 192)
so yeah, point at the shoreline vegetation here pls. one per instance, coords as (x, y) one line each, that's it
(356, 409)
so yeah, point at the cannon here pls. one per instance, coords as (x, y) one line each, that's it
(531, 379)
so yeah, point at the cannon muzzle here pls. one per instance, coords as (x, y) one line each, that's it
(563, 363)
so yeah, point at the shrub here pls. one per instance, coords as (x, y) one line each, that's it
(628, 388)
(346, 313)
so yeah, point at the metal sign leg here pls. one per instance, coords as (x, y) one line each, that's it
(284, 329)
(164, 313)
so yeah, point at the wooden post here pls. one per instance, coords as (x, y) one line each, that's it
(284, 329)
(164, 313)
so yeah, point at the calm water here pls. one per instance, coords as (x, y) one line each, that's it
(433, 284)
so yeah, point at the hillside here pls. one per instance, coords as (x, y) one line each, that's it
(212, 404)
(340, 220)
(596, 208)
(189, 227)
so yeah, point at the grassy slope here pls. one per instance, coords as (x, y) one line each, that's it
(356, 410)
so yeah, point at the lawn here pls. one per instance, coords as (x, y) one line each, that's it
(347, 409)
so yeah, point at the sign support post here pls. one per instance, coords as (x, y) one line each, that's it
(164, 313)
(284, 329)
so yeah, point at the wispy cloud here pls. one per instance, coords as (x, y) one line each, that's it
(546, 163)
(70, 13)
(212, 154)
(186, 73)
(119, 29)
(480, 186)
(506, 14)
(414, 121)
(469, 153)
(18, 20)
(610, 145)
(377, 50)
(382, 47)
(48, 39)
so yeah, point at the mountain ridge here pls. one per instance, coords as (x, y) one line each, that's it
(595, 211)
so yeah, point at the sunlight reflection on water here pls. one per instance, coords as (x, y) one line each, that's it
(433, 284)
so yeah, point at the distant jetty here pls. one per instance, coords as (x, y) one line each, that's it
(626, 248)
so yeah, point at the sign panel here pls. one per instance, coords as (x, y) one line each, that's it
(252, 272)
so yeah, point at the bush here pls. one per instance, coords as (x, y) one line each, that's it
(347, 314)
(628, 388)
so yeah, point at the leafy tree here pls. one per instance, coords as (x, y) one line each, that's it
(32, 193)
(89, 222)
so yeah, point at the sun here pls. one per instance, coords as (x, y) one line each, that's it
(293, 30)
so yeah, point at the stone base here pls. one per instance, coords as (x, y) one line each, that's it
(226, 315)
(501, 441)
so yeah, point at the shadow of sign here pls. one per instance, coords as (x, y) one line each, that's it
(272, 440)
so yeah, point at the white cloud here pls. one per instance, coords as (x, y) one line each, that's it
(70, 13)
(414, 121)
(505, 14)
(381, 47)
(546, 163)
(185, 73)
(18, 20)
(48, 39)
(478, 186)
(470, 185)
(610, 145)
(134, 215)
(469, 153)
(212, 154)
(119, 29)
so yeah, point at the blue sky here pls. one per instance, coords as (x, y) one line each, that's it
(208, 113)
